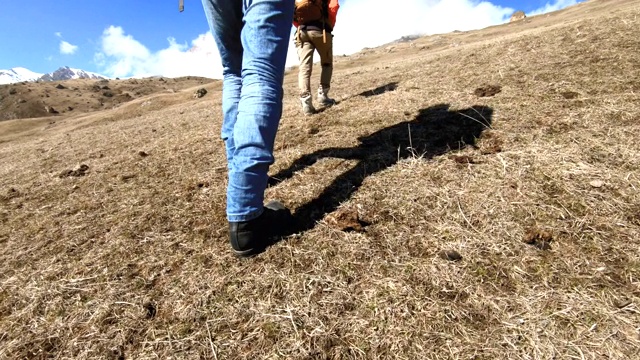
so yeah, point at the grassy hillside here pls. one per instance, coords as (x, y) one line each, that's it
(473, 195)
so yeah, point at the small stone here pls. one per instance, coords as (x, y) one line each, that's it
(622, 303)
(596, 183)
(80, 171)
(450, 255)
(151, 309)
(50, 110)
(200, 93)
(543, 245)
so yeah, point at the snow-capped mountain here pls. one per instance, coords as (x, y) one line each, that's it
(67, 73)
(19, 74)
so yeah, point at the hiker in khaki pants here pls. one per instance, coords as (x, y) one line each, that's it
(315, 20)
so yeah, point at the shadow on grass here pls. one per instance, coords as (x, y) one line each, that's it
(380, 90)
(434, 131)
(392, 86)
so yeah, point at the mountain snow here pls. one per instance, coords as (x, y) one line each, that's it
(19, 74)
(67, 73)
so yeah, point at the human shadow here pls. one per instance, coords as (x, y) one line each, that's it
(392, 86)
(434, 131)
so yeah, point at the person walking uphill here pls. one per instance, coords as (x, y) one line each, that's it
(252, 37)
(315, 20)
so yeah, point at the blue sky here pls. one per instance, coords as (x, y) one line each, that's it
(141, 38)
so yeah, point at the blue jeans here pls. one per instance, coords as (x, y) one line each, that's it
(252, 37)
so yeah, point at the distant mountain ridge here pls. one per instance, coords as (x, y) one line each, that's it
(20, 74)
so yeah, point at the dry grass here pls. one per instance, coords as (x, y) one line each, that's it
(130, 260)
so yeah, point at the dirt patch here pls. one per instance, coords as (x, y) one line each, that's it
(487, 90)
(345, 219)
(541, 239)
(490, 143)
(150, 310)
(464, 159)
(450, 255)
(569, 95)
(77, 172)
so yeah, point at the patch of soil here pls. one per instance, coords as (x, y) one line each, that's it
(151, 310)
(569, 95)
(487, 90)
(127, 177)
(634, 215)
(346, 219)
(80, 171)
(450, 255)
(464, 159)
(539, 238)
(11, 193)
(491, 143)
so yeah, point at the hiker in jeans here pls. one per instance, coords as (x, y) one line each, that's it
(252, 38)
(315, 20)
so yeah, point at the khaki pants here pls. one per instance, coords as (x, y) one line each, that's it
(307, 42)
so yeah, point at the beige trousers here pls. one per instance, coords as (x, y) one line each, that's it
(307, 43)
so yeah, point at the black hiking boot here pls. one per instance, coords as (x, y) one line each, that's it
(251, 237)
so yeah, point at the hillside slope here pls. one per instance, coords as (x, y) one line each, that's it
(64, 98)
(473, 195)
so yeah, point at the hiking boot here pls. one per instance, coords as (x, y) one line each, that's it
(307, 105)
(248, 238)
(324, 99)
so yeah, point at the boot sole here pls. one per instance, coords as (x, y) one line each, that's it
(244, 253)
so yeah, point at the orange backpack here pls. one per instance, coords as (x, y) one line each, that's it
(309, 10)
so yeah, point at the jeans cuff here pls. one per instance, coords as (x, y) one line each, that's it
(244, 218)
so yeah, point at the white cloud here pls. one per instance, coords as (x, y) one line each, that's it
(58, 34)
(360, 24)
(554, 6)
(124, 56)
(66, 48)
(370, 23)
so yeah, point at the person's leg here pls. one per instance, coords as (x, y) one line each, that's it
(305, 55)
(325, 50)
(264, 38)
(225, 21)
(253, 59)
